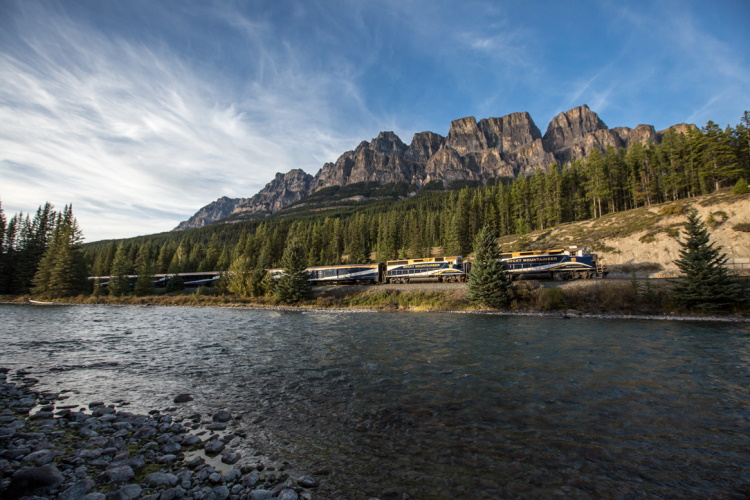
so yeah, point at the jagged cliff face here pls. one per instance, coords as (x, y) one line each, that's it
(211, 213)
(473, 151)
(281, 192)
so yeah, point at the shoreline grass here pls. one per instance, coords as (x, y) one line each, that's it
(634, 297)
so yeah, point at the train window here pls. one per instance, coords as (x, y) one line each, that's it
(418, 260)
(506, 255)
(397, 262)
(439, 259)
(526, 253)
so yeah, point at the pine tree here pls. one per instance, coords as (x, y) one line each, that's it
(293, 286)
(144, 285)
(4, 268)
(118, 280)
(62, 269)
(705, 284)
(489, 282)
(237, 280)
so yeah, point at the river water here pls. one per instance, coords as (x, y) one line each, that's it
(433, 405)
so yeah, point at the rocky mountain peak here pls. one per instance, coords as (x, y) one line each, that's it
(570, 127)
(492, 148)
(465, 137)
(388, 143)
(423, 146)
(212, 212)
(510, 132)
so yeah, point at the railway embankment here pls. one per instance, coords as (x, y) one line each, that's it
(644, 242)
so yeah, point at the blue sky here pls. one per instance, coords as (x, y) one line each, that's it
(140, 112)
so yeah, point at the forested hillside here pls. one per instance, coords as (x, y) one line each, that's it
(684, 165)
(401, 224)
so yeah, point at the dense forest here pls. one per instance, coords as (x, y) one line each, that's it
(408, 224)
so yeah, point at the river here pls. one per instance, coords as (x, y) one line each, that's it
(433, 405)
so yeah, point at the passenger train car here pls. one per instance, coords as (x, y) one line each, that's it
(346, 273)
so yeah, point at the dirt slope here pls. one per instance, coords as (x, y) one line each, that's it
(644, 241)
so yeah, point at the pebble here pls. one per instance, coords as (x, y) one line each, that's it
(75, 455)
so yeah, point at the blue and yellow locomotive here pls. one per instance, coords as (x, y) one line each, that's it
(444, 269)
(559, 264)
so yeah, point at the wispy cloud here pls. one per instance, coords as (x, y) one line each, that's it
(129, 125)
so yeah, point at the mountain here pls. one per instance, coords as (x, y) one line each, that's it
(211, 213)
(473, 152)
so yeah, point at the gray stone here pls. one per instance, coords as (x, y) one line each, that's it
(215, 478)
(166, 459)
(170, 448)
(117, 474)
(221, 492)
(222, 416)
(232, 476)
(145, 432)
(230, 457)
(172, 493)
(78, 490)
(251, 479)
(195, 462)
(35, 480)
(89, 454)
(88, 433)
(260, 494)
(37, 455)
(190, 440)
(214, 447)
(127, 492)
(288, 494)
(183, 398)
(160, 479)
(307, 482)
(95, 496)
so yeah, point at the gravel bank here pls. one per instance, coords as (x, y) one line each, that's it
(52, 450)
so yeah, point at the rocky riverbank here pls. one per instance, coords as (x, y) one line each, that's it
(52, 450)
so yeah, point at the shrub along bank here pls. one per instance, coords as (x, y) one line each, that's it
(643, 296)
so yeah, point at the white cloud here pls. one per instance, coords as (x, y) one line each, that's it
(129, 126)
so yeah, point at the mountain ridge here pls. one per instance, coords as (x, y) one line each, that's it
(492, 148)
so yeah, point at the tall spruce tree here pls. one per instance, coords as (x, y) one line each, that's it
(705, 282)
(144, 284)
(119, 283)
(62, 269)
(489, 282)
(237, 280)
(293, 285)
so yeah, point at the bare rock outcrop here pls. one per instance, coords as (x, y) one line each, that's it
(492, 148)
(281, 192)
(216, 210)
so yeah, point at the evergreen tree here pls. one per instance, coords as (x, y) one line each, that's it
(741, 187)
(237, 280)
(489, 282)
(292, 286)
(62, 270)
(118, 280)
(705, 284)
(144, 285)
(4, 268)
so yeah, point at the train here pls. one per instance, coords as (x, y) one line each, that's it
(557, 264)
